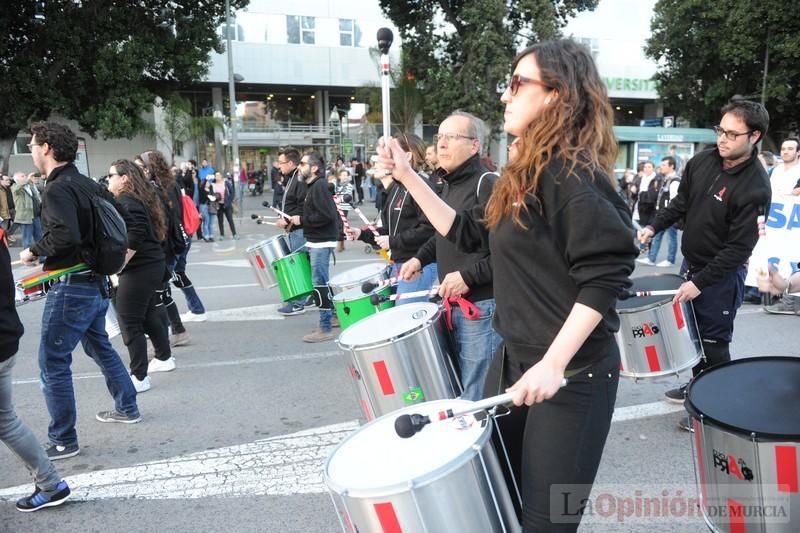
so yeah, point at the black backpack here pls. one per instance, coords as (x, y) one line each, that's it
(177, 239)
(109, 238)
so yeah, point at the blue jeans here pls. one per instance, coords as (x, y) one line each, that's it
(424, 282)
(182, 281)
(31, 233)
(76, 312)
(296, 240)
(208, 223)
(476, 343)
(320, 275)
(672, 233)
(242, 188)
(19, 438)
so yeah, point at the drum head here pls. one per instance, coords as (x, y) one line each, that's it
(757, 395)
(390, 324)
(351, 295)
(357, 274)
(658, 282)
(376, 461)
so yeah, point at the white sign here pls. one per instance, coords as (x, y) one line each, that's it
(780, 244)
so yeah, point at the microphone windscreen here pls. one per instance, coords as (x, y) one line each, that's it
(254, 216)
(265, 203)
(404, 427)
(375, 299)
(385, 38)
(367, 287)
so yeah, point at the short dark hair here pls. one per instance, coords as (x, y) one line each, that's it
(315, 160)
(59, 137)
(795, 139)
(753, 114)
(291, 153)
(670, 160)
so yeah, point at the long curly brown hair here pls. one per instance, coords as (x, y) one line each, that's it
(576, 127)
(140, 188)
(156, 164)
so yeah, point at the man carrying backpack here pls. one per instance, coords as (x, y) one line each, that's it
(76, 303)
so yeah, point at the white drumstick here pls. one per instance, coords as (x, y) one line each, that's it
(638, 294)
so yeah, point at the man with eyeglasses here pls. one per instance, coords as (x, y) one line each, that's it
(467, 283)
(294, 195)
(721, 195)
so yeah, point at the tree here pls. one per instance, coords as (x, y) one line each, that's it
(407, 101)
(181, 126)
(710, 51)
(461, 50)
(100, 62)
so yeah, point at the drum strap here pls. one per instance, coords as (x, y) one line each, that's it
(469, 309)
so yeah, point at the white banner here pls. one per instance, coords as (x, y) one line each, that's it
(780, 245)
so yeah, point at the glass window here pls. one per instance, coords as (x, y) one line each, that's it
(236, 35)
(253, 28)
(346, 32)
(292, 29)
(308, 29)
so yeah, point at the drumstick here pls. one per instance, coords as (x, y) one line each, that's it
(376, 299)
(369, 286)
(366, 221)
(263, 217)
(409, 425)
(638, 294)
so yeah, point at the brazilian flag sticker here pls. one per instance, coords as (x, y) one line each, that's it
(413, 396)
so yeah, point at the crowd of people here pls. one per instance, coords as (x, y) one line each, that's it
(529, 262)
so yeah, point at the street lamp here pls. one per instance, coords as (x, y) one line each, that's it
(232, 79)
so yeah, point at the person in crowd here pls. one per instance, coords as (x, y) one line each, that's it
(7, 208)
(138, 303)
(28, 203)
(404, 228)
(205, 170)
(667, 184)
(320, 222)
(722, 193)
(555, 282)
(76, 304)
(773, 283)
(294, 195)
(155, 168)
(225, 194)
(465, 279)
(208, 208)
(767, 159)
(49, 490)
(358, 178)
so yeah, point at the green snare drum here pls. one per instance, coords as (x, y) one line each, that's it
(293, 273)
(353, 305)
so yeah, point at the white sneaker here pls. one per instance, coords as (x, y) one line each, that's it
(141, 386)
(157, 365)
(645, 261)
(665, 264)
(193, 317)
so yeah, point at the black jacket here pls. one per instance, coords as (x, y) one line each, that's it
(10, 326)
(320, 219)
(460, 192)
(719, 208)
(577, 247)
(67, 217)
(141, 235)
(294, 195)
(403, 221)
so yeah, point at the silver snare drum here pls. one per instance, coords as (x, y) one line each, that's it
(446, 478)
(263, 254)
(399, 357)
(656, 337)
(355, 277)
(746, 444)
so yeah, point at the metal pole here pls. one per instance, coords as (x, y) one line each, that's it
(232, 98)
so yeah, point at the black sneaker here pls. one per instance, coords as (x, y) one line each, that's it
(676, 395)
(56, 451)
(310, 302)
(292, 308)
(116, 416)
(685, 424)
(40, 498)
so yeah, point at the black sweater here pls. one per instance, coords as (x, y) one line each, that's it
(577, 247)
(460, 192)
(320, 220)
(10, 326)
(141, 236)
(403, 221)
(720, 208)
(294, 195)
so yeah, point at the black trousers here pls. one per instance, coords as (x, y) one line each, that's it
(226, 212)
(359, 189)
(555, 447)
(140, 310)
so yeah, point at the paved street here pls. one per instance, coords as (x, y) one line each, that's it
(235, 438)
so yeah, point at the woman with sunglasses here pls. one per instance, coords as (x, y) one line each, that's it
(562, 250)
(136, 299)
(404, 228)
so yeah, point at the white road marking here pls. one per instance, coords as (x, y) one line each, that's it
(254, 312)
(277, 466)
(232, 286)
(633, 412)
(213, 364)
